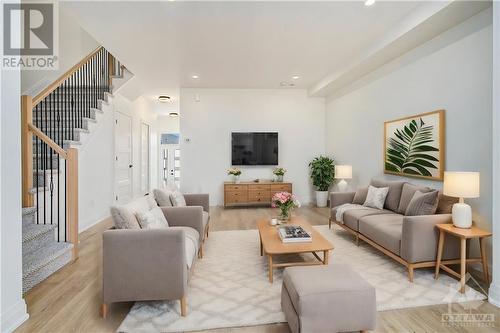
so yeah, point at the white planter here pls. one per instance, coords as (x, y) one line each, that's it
(321, 198)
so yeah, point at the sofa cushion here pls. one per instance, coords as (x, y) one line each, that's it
(376, 197)
(422, 204)
(177, 199)
(162, 197)
(407, 194)
(385, 230)
(360, 195)
(445, 204)
(192, 243)
(152, 219)
(124, 217)
(351, 217)
(394, 194)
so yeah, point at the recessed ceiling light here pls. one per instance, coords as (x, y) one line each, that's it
(173, 114)
(195, 77)
(295, 77)
(164, 98)
(369, 2)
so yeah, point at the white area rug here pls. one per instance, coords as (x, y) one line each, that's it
(230, 288)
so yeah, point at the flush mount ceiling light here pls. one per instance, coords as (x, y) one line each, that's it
(164, 98)
(369, 2)
(195, 77)
(173, 114)
(295, 77)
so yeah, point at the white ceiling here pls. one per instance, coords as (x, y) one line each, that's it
(236, 44)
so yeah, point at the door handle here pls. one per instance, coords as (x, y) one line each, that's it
(130, 165)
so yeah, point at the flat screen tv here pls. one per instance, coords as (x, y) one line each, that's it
(254, 148)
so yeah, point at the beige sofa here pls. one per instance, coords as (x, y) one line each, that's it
(410, 240)
(152, 264)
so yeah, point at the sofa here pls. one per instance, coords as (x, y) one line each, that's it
(410, 240)
(152, 264)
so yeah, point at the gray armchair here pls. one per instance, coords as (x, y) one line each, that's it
(151, 264)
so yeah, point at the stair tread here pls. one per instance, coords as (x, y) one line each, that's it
(40, 258)
(32, 231)
(28, 210)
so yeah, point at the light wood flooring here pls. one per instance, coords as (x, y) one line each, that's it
(69, 300)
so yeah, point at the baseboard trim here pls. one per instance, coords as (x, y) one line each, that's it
(13, 317)
(494, 295)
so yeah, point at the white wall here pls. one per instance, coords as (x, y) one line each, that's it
(96, 160)
(448, 73)
(208, 124)
(74, 44)
(12, 305)
(494, 292)
(167, 124)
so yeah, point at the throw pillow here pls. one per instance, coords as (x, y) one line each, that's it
(445, 204)
(360, 196)
(394, 193)
(422, 204)
(375, 198)
(162, 197)
(152, 219)
(408, 193)
(124, 218)
(177, 199)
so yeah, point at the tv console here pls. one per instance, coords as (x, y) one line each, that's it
(252, 193)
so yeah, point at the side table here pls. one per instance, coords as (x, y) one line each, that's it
(463, 234)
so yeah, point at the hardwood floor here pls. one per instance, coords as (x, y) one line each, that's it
(69, 300)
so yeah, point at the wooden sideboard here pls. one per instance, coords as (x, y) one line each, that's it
(252, 193)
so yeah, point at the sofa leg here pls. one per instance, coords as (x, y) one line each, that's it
(183, 306)
(200, 251)
(330, 223)
(410, 273)
(104, 310)
(357, 239)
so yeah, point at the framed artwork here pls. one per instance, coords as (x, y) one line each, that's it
(414, 146)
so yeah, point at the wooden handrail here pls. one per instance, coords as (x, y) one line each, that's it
(51, 143)
(53, 86)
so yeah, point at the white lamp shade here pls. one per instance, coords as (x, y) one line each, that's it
(343, 171)
(461, 184)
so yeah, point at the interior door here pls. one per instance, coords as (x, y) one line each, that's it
(170, 162)
(123, 158)
(145, 158)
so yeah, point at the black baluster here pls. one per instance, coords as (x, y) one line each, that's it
(37, 157)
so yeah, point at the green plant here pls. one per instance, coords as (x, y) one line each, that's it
(322, 172)
(279, 171)
(409, 151)
(234, 172)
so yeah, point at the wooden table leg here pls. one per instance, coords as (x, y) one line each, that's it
(439, 253)
(325, 257)
(463, 254)
(483, 260)
(270, 257)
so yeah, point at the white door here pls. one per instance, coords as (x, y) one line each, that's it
(170, 159)
(123, 158)
(145, 158)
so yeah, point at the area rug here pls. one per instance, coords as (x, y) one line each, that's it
(230, 288)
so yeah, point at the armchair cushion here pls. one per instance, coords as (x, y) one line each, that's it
(162, 197)
(191, 243)
(152, 219)
(177, 199)
(124, 217)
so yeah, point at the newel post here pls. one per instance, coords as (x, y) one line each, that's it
(72, 199)
(27, 150)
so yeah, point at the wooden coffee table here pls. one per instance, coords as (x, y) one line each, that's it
(271, 244)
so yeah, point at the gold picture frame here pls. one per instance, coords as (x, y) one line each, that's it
(414, 146)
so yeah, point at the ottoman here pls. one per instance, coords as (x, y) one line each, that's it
(327, 298)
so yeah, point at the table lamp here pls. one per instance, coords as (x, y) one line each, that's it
(343, 172)
(461, 185)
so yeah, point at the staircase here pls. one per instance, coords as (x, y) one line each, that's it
(55, 123)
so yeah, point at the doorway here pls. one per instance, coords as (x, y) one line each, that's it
(145, 159)
(170, 161)
(123, 158)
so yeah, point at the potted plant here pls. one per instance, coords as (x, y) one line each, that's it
(285, 201)
(279, 172)
(235, 172)
(322, 175)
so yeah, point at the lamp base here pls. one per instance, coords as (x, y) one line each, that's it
(461, 215)
(342, 185)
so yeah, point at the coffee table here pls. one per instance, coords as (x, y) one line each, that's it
(271, 244)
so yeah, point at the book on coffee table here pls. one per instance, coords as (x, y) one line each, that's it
(293, 234)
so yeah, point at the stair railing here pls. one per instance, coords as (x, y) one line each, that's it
(51, 121)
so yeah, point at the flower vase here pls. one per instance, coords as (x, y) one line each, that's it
(236, 179)
(285, 215)
(279, 179)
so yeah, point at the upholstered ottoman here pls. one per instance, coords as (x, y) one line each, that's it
(331, 298)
